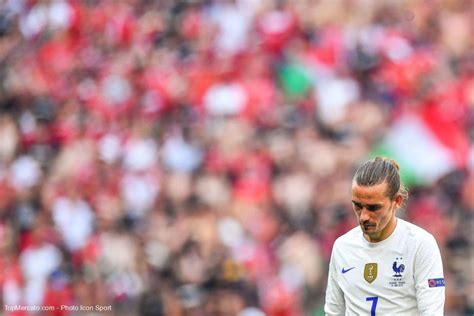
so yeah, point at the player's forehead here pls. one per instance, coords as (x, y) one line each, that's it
(374, 194)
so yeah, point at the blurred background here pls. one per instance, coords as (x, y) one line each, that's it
(195, 157)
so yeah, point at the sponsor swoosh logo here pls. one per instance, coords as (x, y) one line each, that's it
(344, 271)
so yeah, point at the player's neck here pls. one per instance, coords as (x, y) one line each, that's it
(384, 234)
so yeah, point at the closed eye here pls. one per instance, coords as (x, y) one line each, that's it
(370, 207)
(357, 206)
(373, 208)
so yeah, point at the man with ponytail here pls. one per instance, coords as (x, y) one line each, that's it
(385, 265)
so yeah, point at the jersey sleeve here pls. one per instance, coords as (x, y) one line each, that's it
(429, 278)
(335, 304)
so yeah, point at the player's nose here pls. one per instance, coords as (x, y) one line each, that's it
(364, 215)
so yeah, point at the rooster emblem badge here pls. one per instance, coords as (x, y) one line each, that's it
(398, 269)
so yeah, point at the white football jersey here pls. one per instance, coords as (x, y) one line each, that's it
(401, 275)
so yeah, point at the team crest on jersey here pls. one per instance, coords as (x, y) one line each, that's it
(398, 268)
(370, 272)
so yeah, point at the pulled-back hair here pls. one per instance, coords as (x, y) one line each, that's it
(379, 170)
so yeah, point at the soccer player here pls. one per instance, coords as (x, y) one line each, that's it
(387, 266)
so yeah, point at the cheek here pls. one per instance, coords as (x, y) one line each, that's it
(378, 219)
(385, 218)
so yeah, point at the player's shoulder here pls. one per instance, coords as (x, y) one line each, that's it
(351, 237)
(415, 231)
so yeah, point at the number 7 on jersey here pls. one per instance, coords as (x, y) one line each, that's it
(374, 300)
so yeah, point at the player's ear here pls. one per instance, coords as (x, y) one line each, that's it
(398, 200)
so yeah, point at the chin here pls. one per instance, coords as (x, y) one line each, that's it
(371, 233)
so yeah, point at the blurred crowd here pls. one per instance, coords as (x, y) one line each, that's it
(195, 157)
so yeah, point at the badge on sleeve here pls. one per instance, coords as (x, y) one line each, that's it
(436, 282)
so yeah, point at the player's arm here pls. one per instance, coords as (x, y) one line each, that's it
(335, 304)
(429, 278)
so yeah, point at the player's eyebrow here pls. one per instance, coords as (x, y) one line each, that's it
(368, 206)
